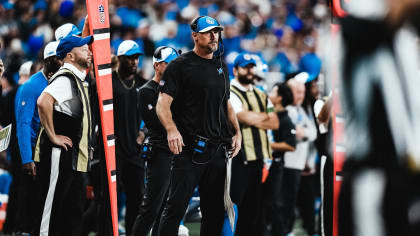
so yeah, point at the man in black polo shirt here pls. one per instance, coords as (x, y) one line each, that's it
(195, 110)
(155, 149)
(127, 120)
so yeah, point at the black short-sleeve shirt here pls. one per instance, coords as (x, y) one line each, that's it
(148, 97)
(285, 133)
(200, 88)
(127, 118)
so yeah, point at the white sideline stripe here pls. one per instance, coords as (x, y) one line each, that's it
(108, 107)
(339, 119)
(339, 148)
(101, 36)
(111, 142)
(103, 72)
(55, 163)
(323, 161)
(367, 201)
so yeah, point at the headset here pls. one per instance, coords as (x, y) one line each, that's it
(194, 24)
(158, 52)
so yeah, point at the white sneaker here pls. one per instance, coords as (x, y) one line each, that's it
(183, 231)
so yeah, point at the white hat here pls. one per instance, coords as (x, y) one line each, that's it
(164, 53)
(302, 77)
(50, 49)
(25, 68)
(66, 30)
(128, 48)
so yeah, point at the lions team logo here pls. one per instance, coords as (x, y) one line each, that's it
(247, 57)
(101, 9)
(210, 21)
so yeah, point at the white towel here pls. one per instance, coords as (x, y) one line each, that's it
(228, 201)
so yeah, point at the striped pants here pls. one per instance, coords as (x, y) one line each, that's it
(62, 194)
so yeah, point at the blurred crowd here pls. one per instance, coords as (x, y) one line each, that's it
(281, 31)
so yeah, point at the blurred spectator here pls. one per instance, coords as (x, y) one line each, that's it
(25, 72)
(295, 162)
(284, 139)
(27, 127)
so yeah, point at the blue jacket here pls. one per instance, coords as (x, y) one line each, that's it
(26, 113)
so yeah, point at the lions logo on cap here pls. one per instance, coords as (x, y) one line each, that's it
(210, 21)
(247, 57)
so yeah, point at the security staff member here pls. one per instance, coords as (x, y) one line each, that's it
(255, 115)
(195, 110)
(27, 127)
(63, 144)
(130, 167)
(155, 149)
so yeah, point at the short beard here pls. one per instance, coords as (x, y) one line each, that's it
(210, 49)
(126, 70)
(83, 63)
(244, 80)
(214, 49)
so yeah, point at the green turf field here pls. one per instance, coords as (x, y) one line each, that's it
(194, 229)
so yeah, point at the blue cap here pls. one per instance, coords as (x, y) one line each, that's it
(68, 43)
(311, 64)
(128, 48)
(166, 54)
(204, 24)
(40, 5)
(243, 60)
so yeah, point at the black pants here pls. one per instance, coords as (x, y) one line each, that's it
(97, 217)
(248, 177)
(62, 194)
(12, 218)
(23, 201)
(328, 197)
(210, 179)
(27, 201)
(289, 191)
(158, 173)
(306, 202)
(131, 177)
(272, 197)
